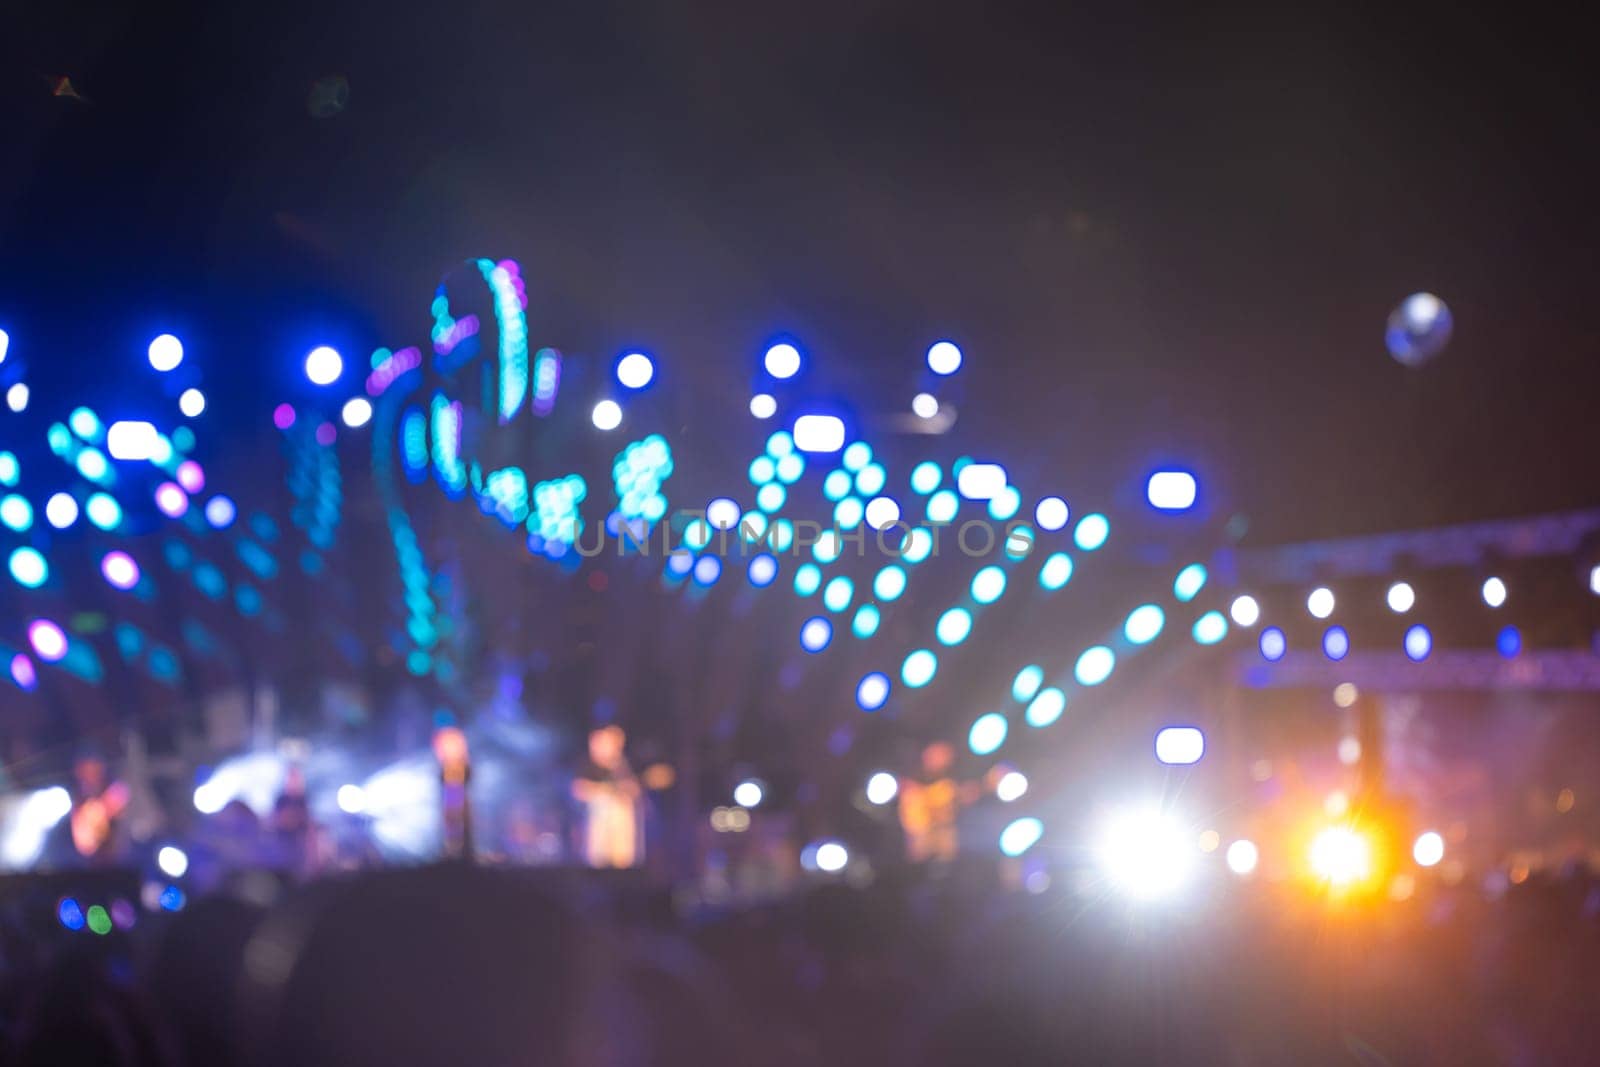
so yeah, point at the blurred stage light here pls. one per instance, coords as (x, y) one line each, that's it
(1494, 592)
(1011, 786)
(191, 476)
(1418, 329)
(707, 569)
(165, 353)
(61, 510)
(782, 361)
(770, 497)
(23, 673)
(763, 569)
(882, 787)
(1341, 856)
(988, 585)
(832, 857)
(866, 621)
(987, 734)
(953, 626)
(1027, 682)
(981, 481)
(1094, 666)
(192, 402)
(873, 691)
(1245, 611)
(944, 358)
(17, 397)
(747, 794)
(1273, 644)
(1051, 513)
(919, 668)
(28, 567)
(1145, 853)
(819, 433)
(1349, 750)
(130, 439)
(16, 513)
(815, 634)
(220, 512)
(889, 583)
(49, 641)
(1345, 694)
(1418, 643)
(942, 506)
(635, 370)
(1335, 643)
(92, 464)
(1210, 628)
(1400, 598)
(837, 593)
(1091, 532)
(723, 513)
(1056, 572)
(1242, 856)
(255, 779)
(607, 415)
(808, 579)
(882, 511)
(1428, 849)
(119, 569)
(103, 510)
(1171, 490)
(1144, 624)
(173, 861)
(1509, 642)
(925, 405)
(172, 500)
(1594, 579)
(352, 799)
(1180, 746)
(856, 457)
(1320, 602)
(1020, 835)
(763, 405)
(324, 365)
(28, 825)
(357, 412)
(870, 479)
(925, 477)
(790, 467)
(5, 345)
(1046, 707)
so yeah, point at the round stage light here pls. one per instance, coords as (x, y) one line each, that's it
(919, 668)
(763, 405)
(1094, 666)
(1027, 682)
(1092, 532)
(357, 412)
(324, 365)
(1273, 644)
(707, 569)
(1341, 856)
(1179, 746)
(882, 511)
(165, 353)
(1144, 624)
(870, 479)
(1020, 835)
(925, 477)
(1320, 602)
(120, 569)
(1418, 643)
(748, 794)
(925, 405)
(815, 634)
(1046, 708)
(988, 585)
(173, 861)
(1051, 513)
(1210, 628)
(28, 567)
(1245, 611)
(832, 857)
(61, 510)
(944, 358)
(1494, 592)
(635, 370)
(49, 641)
(837, 593)
(782, 361)
(1242, 856)
(889, 582)
(103, 510)
(1428, 849)
(171, 499)
(865, 624)
(723, 513)
(1509, 642)
(16, 513)
(352, 799)
(17, 397)
(872, 692)
(1400, 598)
(1146, 854)
(1056, 572)
(763, 569)
(882, 787)
(953, 626)
(942, 506)
(1335, 643)
(1011, 786)
(607, 415)
(1418, 329)
(192, 402)
(220, 512)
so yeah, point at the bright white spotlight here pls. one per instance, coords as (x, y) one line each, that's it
(1242, 856)
(5, 345)
(352, 799)
(28, 823)
(747, 794)
(173, 861)
(944, 358)
(1146, 854)
(1245, 611)
(782, 361)
(131, 439)
(925, 405)
(635, 370)
(981, 481)
(17, 397)
(192, 402)
(1320, 602)
(881, 511)
(1011, 786)
(1052, 513)
(255, 778)
(1020, 835)
(607, 415)
(1428, 849)
(1594, 580)
(1494, 591)
(165, 352)
(1400, 598)
(819, 433)
(1171, 490)
(832, 857)
(1341, 856)
(723, 513)
(357, 412)
(1180, 745)
(763, 405)
(987, 734)
(61, 510)
(882, 787)
(324, 365)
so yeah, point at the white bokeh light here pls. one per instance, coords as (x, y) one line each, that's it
(607, 415)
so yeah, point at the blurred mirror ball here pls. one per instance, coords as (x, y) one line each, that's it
(1418, 329)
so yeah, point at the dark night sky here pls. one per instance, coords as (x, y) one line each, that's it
(1154, 236)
